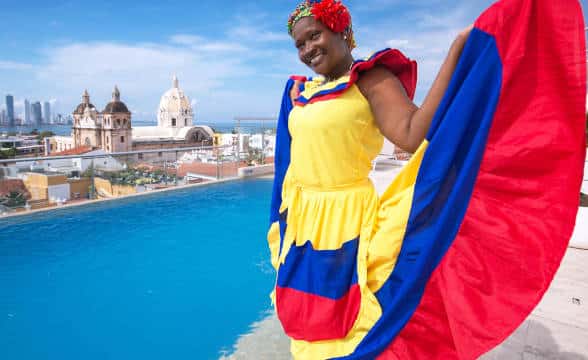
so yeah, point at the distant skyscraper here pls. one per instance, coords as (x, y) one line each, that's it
(10, 110)
(36, 112)
(2, 117)
(27, 112)
(47, 112)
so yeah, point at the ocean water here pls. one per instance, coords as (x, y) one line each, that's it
(176, 275)
(224, 126)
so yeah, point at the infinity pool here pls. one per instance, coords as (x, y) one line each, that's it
(176, 275)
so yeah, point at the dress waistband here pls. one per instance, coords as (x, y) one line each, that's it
(339, 187)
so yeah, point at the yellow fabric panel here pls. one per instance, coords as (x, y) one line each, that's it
(273, 239)
(333, 142)
(390, 228)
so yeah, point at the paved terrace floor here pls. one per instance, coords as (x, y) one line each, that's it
(557, 328)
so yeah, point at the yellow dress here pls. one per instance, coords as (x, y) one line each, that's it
(323, 296)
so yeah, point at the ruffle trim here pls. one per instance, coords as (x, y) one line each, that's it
(314, 89)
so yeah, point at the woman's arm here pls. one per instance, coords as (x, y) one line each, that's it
(398, 118)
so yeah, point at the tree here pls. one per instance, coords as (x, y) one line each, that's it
(45, 134)
(13, 199)
(7, 153)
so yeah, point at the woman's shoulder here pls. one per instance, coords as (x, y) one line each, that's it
(385, 64)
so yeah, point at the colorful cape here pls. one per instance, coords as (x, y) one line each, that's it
(495, 187)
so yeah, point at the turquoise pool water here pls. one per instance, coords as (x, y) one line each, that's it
(176, 275)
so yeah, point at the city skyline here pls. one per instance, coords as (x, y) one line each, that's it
(240, 51)
(23, 114)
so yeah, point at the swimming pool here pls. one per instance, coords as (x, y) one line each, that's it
(178, 275)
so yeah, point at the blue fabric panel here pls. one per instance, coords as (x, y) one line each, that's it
(457, 140)
(328, 273)
(282, 153)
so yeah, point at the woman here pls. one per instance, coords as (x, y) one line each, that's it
(361, 276)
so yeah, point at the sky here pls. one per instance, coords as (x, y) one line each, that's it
(232, 58)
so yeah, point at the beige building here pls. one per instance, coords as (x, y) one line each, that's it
(112, 131)
(109, 130)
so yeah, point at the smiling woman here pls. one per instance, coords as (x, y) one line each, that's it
(428, 269)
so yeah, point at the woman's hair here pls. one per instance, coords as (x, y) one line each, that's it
(332, 13)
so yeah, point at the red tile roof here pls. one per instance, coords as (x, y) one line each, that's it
(75, 151)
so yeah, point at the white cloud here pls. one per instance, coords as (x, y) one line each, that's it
(252, 33)
(142, 71)
(186, 39)
(11, 65)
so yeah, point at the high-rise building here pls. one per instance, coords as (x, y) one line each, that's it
(27, 112)
(2, 117)
(47, 112)
(36, 112)
(10, 110)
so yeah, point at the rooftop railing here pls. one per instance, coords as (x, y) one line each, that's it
(47, 181)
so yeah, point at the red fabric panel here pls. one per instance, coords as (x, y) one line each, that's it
(311, 317)
(522, 212)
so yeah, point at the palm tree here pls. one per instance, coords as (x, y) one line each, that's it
(13, 199)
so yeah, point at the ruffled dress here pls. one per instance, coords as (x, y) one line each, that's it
(465, 241)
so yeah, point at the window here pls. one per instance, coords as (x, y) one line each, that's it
(186, 122)
(140, 156)
(173, 121)
(160, 154)
(122, 139)
(107, 140)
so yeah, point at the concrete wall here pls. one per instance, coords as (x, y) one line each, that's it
(38, 184)
(57, 193)
(256, 170)
(104, 187)
(79, 188)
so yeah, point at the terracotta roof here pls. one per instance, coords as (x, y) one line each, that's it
(75, 151)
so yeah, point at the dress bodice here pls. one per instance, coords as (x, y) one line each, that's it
(333, 140)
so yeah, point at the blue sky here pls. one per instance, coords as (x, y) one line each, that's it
(232, 58)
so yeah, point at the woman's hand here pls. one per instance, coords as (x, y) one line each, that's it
(295, 91)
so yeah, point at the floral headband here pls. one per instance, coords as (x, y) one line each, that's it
(332, 13)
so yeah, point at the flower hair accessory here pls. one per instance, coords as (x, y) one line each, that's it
(332, 13)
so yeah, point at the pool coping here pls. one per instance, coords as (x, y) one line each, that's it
(123, 197)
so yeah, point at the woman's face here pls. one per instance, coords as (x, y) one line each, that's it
(324, 51)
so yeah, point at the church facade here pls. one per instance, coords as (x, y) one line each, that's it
(111, 129)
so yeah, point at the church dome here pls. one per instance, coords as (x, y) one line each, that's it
(85, 103)
(116, 106)
(175, 109)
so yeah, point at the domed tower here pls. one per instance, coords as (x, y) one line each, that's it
(116, 125)
(86, 128)
(175, 110)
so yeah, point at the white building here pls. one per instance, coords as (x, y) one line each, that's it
(174, 123)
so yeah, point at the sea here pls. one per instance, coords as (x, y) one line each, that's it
(219, 126)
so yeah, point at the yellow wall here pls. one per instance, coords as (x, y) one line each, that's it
(38, 184)
(105, 187)
(80, 186)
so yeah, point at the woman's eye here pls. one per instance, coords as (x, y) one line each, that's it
(315, 35)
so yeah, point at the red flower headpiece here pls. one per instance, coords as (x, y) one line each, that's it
(332, 13)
